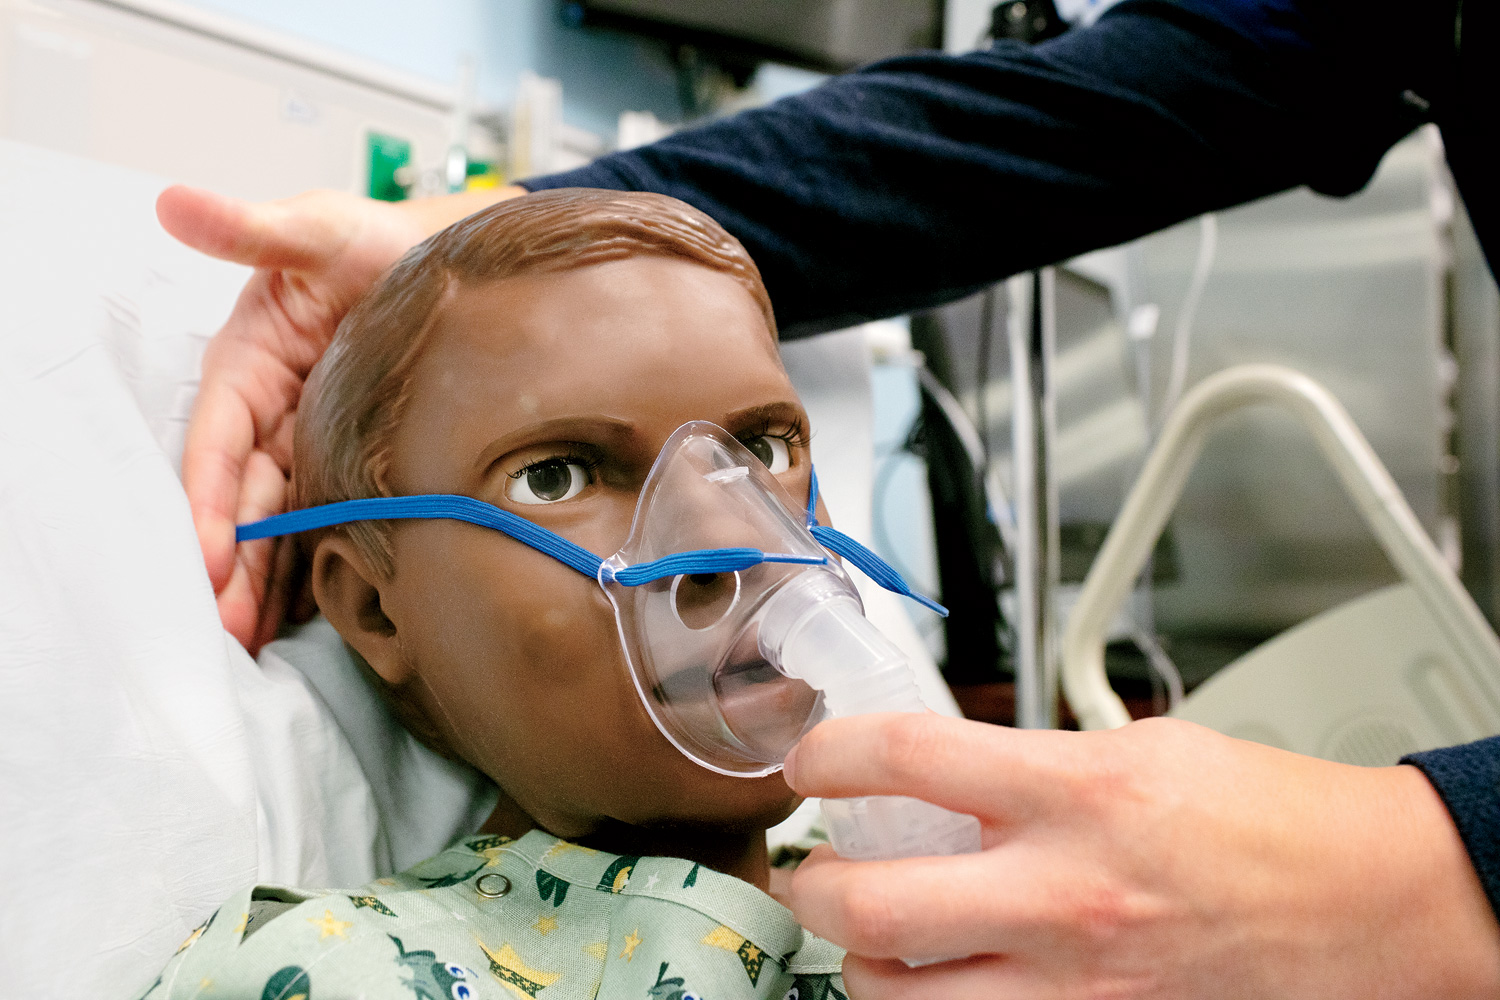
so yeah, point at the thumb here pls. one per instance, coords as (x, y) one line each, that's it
(271, 234)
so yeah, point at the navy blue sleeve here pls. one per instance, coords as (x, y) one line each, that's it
(1468, 779)
(918, 179)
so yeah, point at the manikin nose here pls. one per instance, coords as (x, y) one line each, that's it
(724, 520)
(702, 600)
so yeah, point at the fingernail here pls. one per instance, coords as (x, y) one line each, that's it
(788, 765)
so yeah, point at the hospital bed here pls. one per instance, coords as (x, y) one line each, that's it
(1408, 667)
(148, 766)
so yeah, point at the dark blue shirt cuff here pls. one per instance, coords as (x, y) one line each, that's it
(1468, 779)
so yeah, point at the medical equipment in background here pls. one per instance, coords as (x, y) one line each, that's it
(179, 91)
(1032, 334)
(1362, 294)
(1409, 667)
(1357, 295)
(1097, 440)
(184, 92)
(1029, 523)
(538, 141)
(816, 34)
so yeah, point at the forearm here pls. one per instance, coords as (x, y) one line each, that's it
(917, 179)
(1437, 904)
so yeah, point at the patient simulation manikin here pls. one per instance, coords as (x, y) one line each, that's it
(535, 357)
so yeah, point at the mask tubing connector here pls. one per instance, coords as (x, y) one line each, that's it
(814, 630)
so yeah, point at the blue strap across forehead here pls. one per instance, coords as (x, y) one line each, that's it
(461, 508)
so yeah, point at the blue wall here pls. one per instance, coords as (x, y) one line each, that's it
(603, 73)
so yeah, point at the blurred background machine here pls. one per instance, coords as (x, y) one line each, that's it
(829, 35)
(184, 92)
(1383, 298)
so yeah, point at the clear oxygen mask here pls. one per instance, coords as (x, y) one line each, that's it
(692, 639)
(735, 667)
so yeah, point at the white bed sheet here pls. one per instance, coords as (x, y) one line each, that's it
(148, 767)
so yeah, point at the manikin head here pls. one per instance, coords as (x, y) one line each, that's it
(536, 356)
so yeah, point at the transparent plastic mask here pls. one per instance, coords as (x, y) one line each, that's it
(691, 640)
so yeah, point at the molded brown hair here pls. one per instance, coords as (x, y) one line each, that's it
(355, 397)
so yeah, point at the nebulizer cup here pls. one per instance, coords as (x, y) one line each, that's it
(814, 629)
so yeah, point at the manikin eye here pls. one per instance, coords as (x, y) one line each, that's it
(548, 481)
(773, 452)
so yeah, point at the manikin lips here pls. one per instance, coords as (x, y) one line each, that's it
(744, 672)
(741, 674)
(763, 707)
(735, 676)
(764, 710)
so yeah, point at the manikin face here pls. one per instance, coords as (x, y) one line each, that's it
(550, 395)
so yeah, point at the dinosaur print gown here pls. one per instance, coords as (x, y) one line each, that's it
(497, 919)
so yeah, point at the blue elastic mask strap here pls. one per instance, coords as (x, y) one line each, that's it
(867, 562)
(704, 561)
(871, 565)
(432, 505)
(461, 508)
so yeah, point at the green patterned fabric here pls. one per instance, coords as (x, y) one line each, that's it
(573, 923)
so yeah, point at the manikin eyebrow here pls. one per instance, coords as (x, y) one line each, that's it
(764, 412)
(555, 429)
(591, 428)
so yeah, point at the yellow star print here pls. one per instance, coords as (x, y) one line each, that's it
(329, 925)
(632, 942)
(492, 856)
(197, 933)
(562, 847)
(545, 924)
(239, 928)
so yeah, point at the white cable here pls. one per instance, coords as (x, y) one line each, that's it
(954, 413)
(1160, 662)
(997, 501)
(1208, 243)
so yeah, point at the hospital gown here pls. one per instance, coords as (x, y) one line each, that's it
(498, 918)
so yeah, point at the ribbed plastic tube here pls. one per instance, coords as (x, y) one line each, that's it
(813, 629)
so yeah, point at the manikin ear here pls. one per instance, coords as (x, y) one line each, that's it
(347, 589)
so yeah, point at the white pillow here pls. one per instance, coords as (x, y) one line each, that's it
(148, 768)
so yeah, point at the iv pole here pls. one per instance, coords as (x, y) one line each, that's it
(1031, 326)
